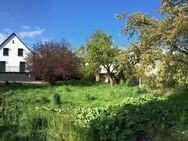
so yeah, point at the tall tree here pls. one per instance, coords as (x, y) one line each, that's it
(169, 32)
(135, 62)
(52, 60)
(99, 51)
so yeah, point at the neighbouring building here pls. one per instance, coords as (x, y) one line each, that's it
(12, 60)
(102, 75)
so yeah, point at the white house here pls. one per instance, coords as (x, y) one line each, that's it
(12, 60)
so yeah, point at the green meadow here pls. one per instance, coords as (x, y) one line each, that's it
(87, 111)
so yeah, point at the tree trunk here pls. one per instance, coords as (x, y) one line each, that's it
(111, 79)
(52, 80)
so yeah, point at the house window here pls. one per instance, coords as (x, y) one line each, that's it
(5, 52)
(20, 52)
(12, 41)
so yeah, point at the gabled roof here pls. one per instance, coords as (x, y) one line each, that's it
(13, 34)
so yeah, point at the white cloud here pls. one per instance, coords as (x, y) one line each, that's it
(2, 37)
(31, 34)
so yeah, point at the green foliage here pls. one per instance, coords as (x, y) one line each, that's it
(141, 90)
(11, 114)
(169, 34)
(90, 97)
(57, 99)
(39, 123)
(44, 100)
(9, 136)
(38, 132)
(129, 120)
(149, 81)
(99, 51)
(126, 61)
(172, 72)
(67, 89)
(138, 62)
(92, 112)
(132, 82)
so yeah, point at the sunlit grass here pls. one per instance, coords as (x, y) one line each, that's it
(25, 102)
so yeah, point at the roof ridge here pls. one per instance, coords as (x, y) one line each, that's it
(14, 34)
(7, 38)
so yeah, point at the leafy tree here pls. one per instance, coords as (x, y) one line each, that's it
(52, 61)
(85, 71)
(172, 72)
(134, 62)
(169, 33)
(99, 51)
(126, 62)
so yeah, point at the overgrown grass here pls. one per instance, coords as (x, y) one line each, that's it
(80, 110)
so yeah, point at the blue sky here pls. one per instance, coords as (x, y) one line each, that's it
(74, 20)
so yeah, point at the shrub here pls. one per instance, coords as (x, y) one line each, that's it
(57, 99)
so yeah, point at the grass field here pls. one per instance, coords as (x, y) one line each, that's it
(91, 111)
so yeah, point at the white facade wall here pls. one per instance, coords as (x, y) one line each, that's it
(13, 60)
(103, 69)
